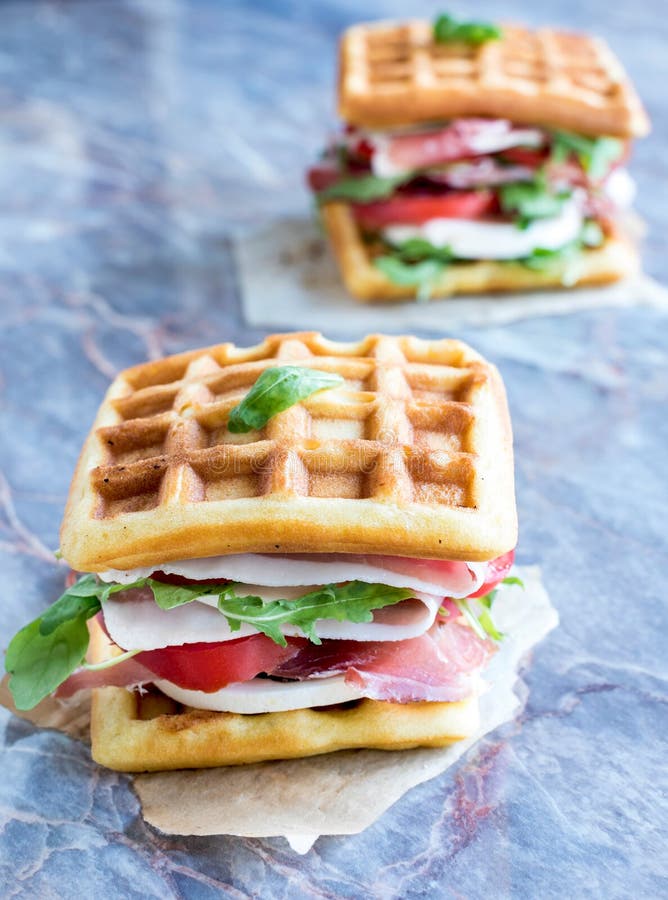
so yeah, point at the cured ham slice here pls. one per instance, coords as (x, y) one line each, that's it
(461, 139)
(437, 666)
(484, 172)
(128, 673)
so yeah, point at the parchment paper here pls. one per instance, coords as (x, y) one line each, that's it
(289, 279)
(354, 788)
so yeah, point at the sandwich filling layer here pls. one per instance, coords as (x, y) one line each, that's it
(475, 189)
(329, 638)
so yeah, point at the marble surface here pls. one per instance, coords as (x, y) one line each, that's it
(137, 139)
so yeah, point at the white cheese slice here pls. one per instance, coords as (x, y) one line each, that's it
(139, 624)
(445, 578)
(470, 239)
(261, 695)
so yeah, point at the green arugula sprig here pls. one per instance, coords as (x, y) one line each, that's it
(417, 249)
(595, 154)
(44, 654)
(46, 651)
(353, 601)
(478, 611)
(350, 602)
(447, 30)
(417, 263)
(567, 257)
(275, 390)
(422, 275)
(363, 188)
(530, 200)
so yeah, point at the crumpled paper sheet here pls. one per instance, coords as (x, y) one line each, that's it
(288, 278)
(354, 788)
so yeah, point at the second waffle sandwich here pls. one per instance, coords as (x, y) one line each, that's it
(478, 158)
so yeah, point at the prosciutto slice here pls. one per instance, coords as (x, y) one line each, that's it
(483, 172)
(458, 140)
(128, 673)
(438, 666)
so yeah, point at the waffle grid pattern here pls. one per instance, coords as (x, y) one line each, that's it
(398, 429)
(411, 455)
(394, 74)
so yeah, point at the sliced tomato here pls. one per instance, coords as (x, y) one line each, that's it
(497, 569)
(404, 209)
(526, 156)
(209, 667)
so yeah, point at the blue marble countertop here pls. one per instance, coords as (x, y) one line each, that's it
(137, 138)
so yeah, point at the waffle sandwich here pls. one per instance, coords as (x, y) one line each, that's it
(478, 158)
(289, 549)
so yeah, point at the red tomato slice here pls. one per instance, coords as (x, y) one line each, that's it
(404, 209)
(525, 156)
(209, 667)
(497, 569)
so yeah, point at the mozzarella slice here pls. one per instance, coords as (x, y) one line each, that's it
(442, 577)
(470, 239)
(260, 695)
(139, 624)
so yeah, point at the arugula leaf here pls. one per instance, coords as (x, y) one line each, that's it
(351, 602)
(542, 259)
(66, 608)
(529, 200)
(447, 31)
(112, 661)
(568, 256)
(513, 579)
(38, 663)
(416, 249)
(595, 154)
(363, 188)
(592, 234)
(277, 389)
(423, 275)
(467, 612)
(167, 596)
(46, 652)
(481, 619)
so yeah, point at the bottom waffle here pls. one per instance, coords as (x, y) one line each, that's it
(617, 258)
(142, 733)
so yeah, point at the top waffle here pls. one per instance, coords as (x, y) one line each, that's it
(411, 456)
(394, 74)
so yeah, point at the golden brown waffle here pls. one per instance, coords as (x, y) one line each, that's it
(139, 733)
(394, 74)
(411, 456)
(617, 258)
